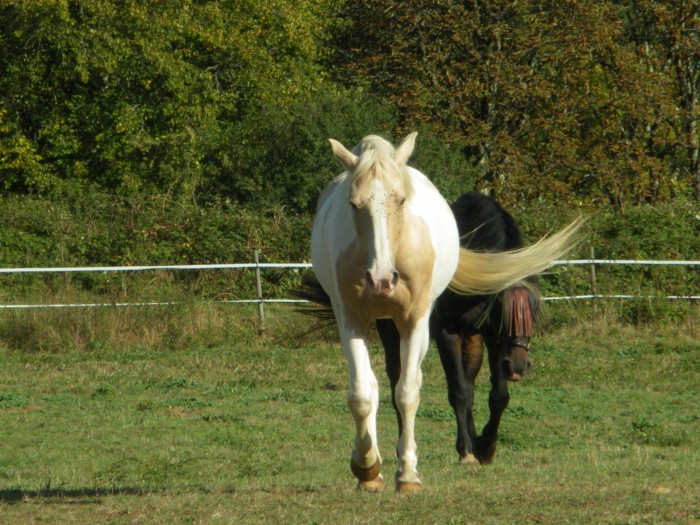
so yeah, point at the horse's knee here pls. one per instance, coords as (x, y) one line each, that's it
(498, 401)
(460, 396)
(360, 401)
(407, 395)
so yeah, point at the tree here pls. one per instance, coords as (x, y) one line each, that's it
(546, 98)
(667, 35)
(144, 97)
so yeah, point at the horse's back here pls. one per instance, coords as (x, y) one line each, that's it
(484, 225)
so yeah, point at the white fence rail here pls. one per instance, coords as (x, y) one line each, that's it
(243, 266)
(258, 267)
(593, 262)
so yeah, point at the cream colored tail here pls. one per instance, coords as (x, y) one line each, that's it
(483, 273)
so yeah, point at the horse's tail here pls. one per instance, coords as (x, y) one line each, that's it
(483, 273)
(318, 301)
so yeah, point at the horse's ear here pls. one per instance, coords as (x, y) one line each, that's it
(404, 151)
(345, 158)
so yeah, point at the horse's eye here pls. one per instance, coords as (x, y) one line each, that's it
(402, 201)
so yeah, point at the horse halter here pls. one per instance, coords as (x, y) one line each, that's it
(515, 341)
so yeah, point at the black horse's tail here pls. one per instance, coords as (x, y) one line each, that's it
(318, 302)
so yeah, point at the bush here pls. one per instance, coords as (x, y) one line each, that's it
(103, 230)
(280, 156)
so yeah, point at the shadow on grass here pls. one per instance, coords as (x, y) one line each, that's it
(86, 495)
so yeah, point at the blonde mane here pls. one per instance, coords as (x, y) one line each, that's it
(375, 158)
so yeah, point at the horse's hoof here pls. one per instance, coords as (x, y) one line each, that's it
(375, 485)
(488, 458)
(485, 452)
(408, 487)
(469, 460)
(366, 474)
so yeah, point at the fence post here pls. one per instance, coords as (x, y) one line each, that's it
(594, 287)
(258, 285)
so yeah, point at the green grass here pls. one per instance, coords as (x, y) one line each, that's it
(606, 429)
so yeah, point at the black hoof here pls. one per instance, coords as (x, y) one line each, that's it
(485, 451)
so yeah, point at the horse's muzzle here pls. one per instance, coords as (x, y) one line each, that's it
(382, 285)
(515, 370)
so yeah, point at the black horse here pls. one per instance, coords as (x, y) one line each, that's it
(460, 325)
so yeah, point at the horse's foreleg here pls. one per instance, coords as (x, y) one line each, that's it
(363, 401)
(472, 353)
(472, 359)
(459, 394)
(407, 394)
(499, 397)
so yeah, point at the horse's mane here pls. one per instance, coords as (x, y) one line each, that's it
(376, 158)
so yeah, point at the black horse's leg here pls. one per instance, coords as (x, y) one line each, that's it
(485, 449)
(472, 358)
(391, 341)
(461, 361)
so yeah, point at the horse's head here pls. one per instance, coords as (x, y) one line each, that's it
(514, 357)
(378, 189)
(519, 311)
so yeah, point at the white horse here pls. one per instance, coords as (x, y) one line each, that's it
(385, 245)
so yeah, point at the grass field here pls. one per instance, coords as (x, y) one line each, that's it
(605, 429)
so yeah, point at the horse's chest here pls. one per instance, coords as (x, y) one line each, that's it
(409, 300)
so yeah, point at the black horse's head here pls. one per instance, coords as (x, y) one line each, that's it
(514, 357)
(514, 322)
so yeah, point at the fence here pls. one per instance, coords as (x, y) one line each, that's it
(258, 267)
(593, 262)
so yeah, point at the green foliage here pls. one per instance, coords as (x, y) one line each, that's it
(667, 231)
(100, 230)
(141, 98)
(281, 155)
(103, 230)
(214, 100)
(550, 100)
(196, 132)
(444, 164)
